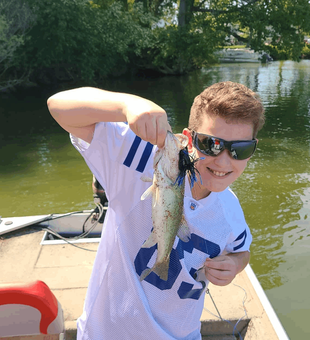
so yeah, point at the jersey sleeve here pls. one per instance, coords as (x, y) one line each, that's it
(240, 237)
(116, 156)
(241, 242)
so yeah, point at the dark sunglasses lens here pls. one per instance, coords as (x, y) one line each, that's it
(212, 146)
(209, 146)
(243, 150)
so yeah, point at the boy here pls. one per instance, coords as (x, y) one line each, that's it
(118, 305)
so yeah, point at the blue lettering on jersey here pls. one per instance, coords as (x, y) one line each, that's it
(185, 290)
(142, 259)
(197, 242)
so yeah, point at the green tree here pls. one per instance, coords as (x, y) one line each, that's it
(277, 26)
(15, 19)
(282, 22)
(61, 40)
(73, 40)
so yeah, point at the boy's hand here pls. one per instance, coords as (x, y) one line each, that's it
(221, 270)
(148, 121)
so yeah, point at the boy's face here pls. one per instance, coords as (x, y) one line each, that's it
(217, 173)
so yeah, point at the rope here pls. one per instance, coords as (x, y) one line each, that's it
(82, 235)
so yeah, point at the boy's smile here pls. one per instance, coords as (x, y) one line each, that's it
(218, 172)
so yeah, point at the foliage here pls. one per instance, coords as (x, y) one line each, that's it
(306, 52)
(61, 40)
(282, 22)
(178, 52)
(180, 49)
(15, 19)
(155, 7)
(76, 40)
(8, 42)
(277, 53)
(234, 46)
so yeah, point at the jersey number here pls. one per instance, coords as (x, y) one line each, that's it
(185, 290)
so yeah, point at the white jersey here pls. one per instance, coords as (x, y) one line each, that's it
(118, 305)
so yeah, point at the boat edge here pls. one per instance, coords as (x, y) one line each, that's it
(279, 329)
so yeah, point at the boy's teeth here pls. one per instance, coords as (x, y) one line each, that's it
(217, 173)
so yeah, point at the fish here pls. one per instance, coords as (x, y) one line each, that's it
(171, 164)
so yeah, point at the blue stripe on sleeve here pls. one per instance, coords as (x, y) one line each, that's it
(132, 151)
(145, 157)
(243, 236)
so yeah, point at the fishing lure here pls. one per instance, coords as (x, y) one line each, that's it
(187, 165)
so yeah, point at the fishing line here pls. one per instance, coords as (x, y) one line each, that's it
(243, 305)
(220, 317)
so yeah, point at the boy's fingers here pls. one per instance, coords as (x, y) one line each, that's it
(219, 274)
(219, 277)
(150, 130)
(151, 127)
(162, 133)
(217, 263)
(218, 282)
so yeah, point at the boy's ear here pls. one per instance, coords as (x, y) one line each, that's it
(188, 134)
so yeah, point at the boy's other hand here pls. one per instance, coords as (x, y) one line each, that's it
(148, 121)
(221, 270)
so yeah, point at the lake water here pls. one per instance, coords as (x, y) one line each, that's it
(41, 173)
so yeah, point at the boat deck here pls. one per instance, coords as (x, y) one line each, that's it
(66, 270)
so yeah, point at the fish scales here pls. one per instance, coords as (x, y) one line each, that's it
(167, 204)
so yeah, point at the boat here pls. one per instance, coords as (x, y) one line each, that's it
(242, 55)
(33, 253)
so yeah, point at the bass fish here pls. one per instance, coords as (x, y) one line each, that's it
(171, 164)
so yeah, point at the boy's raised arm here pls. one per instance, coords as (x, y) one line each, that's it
(78, 111)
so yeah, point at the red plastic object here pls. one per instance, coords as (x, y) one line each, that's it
(37, 295)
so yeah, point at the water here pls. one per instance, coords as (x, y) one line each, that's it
(41, 173)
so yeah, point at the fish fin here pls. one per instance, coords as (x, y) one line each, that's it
(156, 196)
(182, 139)
(146, 179)
(149, 191)
(184, 233)
(150, 242)
(145, 273)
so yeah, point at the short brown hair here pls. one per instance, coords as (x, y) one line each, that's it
(231, 101)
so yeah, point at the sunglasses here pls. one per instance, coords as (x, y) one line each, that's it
(213, 146)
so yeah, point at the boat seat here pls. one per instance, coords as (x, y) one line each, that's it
(30, 311)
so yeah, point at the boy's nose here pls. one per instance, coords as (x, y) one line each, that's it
(223, 159)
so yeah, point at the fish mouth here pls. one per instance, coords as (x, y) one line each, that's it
(219, 174)
(180, 140)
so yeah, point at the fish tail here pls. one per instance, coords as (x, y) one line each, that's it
(161, 269)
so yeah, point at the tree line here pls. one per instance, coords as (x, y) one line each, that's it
(50, 41)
